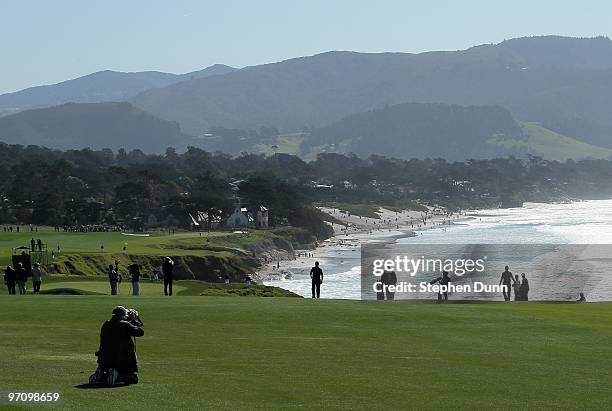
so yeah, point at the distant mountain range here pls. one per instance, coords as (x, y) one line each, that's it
(547, 94)
(98, 87)
(563, 83)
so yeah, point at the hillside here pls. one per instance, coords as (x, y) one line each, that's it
(563, 83)
(413, 130)
(97, 87)
(95, 125)
(553, 146)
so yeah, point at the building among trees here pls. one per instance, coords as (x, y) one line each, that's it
(243, 217)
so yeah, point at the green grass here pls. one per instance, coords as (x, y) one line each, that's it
(92, 285)
(370, 210)
(147, 288)
(286, 144)
(182, 243)
(402, 205)
(285, 353)
(555, 146)
(83, 250)
(365, 210)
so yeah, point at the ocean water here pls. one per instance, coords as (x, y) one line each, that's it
(587, 222)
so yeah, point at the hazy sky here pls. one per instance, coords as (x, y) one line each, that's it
(45, 41)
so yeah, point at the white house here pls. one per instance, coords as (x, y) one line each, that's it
(239, 218)
(261, 217)
(242, 217)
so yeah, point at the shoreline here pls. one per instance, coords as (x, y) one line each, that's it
(359, 230)
(538, 223)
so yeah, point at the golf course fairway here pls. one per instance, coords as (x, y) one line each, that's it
(202, 352)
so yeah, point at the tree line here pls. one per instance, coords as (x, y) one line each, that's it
(51, 187)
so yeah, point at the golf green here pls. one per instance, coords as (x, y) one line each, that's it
(203, 352)
(64, 244)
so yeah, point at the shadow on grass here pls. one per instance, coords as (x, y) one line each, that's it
(99, 386)
(68, 291)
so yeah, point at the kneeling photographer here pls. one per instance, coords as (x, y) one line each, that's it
(117, 362)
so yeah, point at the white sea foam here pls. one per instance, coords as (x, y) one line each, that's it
(587, 222)
(336, 284)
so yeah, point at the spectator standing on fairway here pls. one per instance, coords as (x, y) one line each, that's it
(10, 278)
(113, 278)
(516, 286)
(388, 278)
(316, 274)
(134, 270)
(444, 282)
(22, 278)
(506, 279)
(168, 271)
(524, 289)
(36, 278)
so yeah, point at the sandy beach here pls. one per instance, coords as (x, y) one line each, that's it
(356, 230)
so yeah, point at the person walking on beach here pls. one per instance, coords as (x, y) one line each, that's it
(316, 274)
(36, 278)
(506, 279)
(524, 289)
(10, 278)
(113, 278)
(22, 277)
(167, 268)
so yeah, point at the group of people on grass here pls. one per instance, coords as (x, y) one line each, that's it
(166, 269)
(17, 228)
(92, 228)
(36, 244)
(17, 278)
(512, 282)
